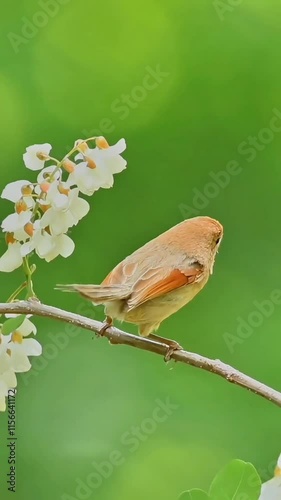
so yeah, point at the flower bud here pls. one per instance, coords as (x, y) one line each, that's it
(90, 162)
(81, 146)
(42, 156)
(10, 238)
(68, 165)
(63, 190)
(21, 206)
(33, 268)
(44, 208)
(29, 229)
(45, 186)
(26, 190)
(102, 143)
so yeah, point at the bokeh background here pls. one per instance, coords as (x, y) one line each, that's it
(216, 84)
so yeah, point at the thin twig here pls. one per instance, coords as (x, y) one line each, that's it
(116, 336)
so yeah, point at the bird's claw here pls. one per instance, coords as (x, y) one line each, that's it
(103, 329)
(106, 324)
(174, 346)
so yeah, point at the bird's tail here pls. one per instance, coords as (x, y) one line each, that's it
(98, 294)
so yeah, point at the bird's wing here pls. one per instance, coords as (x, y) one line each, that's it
(159, 281)
(121, 274)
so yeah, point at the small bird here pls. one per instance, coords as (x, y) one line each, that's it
(159, 278)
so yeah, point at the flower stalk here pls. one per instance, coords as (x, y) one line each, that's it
(17, 292)
(28, 271)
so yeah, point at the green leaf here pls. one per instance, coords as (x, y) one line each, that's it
(194, 495)
(12, 324)
(237, 481)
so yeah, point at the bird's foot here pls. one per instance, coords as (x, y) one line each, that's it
(172, 347)
(108, 322)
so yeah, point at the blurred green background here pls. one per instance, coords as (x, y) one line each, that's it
(217, 82)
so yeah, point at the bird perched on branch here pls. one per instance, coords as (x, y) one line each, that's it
(159, 278)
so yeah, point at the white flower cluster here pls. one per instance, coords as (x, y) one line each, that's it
(45, 210)
(14, 351)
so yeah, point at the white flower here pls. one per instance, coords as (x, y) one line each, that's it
(14, 351)
(20, 192)
(16, 221)
(36, 155)
(9, 378)
(5, 359)
(65, 213)
(56, 194)
(63, 245)
(7, 375)
(17, 224)
(41, 242)
(271, 490)
(28, 201)
(27, 328)
(19, 352)
(110, 157)
(98, 167)
(14, 191)
(19, 347)
(21, 235)
(84, 178)
(47, 172)
(48, 246)
(12, 258)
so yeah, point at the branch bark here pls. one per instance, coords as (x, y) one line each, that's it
(116, 336)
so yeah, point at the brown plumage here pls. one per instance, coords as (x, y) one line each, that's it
(159, 278)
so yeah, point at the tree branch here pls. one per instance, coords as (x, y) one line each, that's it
(116, 336)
